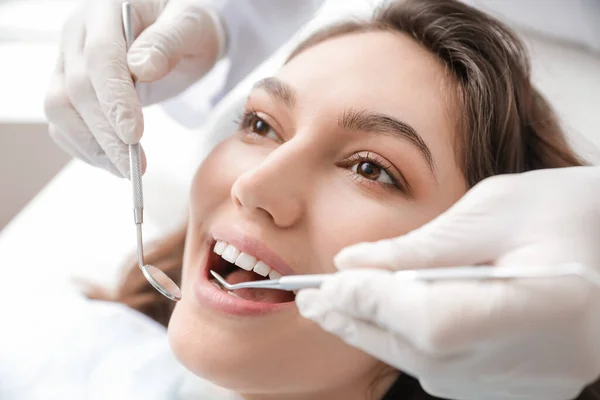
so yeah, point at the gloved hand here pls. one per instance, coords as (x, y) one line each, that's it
(513, 339)
(92, 105)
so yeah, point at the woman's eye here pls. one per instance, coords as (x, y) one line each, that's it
(372, 172)
(258, 126)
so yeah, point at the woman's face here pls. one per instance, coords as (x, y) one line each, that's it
(353, 140)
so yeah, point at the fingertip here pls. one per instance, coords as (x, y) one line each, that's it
(306, 297)
(147, 65)
(121, 168)
(353, 257)
(106, 164)
(144, 163)
(130, 125)
(343, 260)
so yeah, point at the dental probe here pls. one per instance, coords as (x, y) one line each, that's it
(158, 279)
(295, 282)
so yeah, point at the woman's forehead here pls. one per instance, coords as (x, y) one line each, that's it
(367, 60)
(384, 70)
(381, 71)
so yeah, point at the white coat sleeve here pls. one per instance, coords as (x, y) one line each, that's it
(255, 29)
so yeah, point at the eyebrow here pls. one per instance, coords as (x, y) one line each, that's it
(356, 120)
(370, 121)
(278, 89)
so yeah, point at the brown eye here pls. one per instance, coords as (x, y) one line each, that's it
(368, 170)
(372, 171)
(253, 124)
(259, 126)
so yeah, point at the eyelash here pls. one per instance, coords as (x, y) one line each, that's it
(245, 119)
(399, 183)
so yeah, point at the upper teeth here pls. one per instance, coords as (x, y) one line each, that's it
(243, 260)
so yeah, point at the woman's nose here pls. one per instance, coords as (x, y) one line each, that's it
(273, 188)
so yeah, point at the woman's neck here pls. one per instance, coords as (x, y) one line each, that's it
(371, 388)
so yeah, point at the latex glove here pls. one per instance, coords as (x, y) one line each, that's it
(526, 339)
(92, 106)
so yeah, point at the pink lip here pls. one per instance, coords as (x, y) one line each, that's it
(248, 244)
(217, 299)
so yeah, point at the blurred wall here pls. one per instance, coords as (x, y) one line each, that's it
(29, 33)
(28, 160)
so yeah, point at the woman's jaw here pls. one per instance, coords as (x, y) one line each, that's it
(238, 256)
(242, 343)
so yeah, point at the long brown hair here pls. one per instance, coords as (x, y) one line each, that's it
(505, 125)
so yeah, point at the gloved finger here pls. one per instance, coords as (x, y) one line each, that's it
(64, 141)
(382, 344)
(376, 297)
(468, 233)
(105, 62)
(99, 129)
(450, 317)
(176, 33)
(83, 96)
(63, 118)
(438, 368)
(441, 243)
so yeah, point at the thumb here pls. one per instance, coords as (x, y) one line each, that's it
(460, 236)
(189, 30)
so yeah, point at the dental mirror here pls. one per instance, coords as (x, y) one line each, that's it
(158, 279)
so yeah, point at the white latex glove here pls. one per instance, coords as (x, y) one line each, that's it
(92, 106)
(526, 339)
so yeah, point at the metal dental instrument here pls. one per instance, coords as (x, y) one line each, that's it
(295, 282)
(158, 279)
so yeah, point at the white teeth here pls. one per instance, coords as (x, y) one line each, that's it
(274, 274)
(261, 268)
(245, 261)
(219, 247)
(230, 253)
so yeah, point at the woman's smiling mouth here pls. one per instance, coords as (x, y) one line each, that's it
(239, 258)
(237, 266)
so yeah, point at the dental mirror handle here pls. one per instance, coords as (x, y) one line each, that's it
(135, 165)
(135, 154)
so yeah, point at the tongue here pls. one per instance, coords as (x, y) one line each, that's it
(258, 295)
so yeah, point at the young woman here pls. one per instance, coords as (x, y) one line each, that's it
(370, 130)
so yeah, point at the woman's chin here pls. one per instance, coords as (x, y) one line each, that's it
(218, 353)
(270, 354)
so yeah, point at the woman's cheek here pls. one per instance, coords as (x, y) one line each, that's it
(344, 215)
(217, 174)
